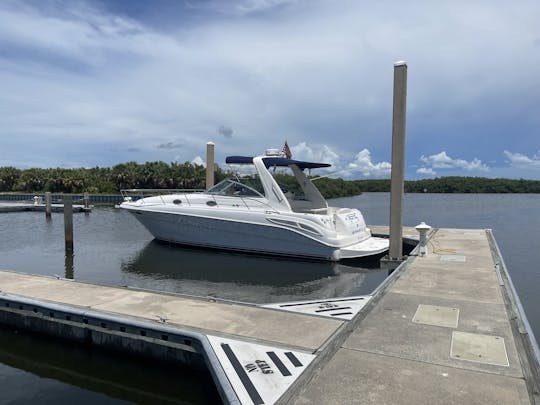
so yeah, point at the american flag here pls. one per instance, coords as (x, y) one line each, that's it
(286, 151)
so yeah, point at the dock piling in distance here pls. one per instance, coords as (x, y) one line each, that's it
(48, 205)
(68, 223)
(398, 161)
(209, 165)
(86, 200)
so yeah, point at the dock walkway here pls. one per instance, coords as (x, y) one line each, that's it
(442, 329)
(440, 334)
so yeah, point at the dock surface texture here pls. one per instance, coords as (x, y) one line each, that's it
(228, 319)
(438, 331)
(440, 334)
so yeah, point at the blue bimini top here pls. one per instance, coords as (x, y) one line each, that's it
(275, 161)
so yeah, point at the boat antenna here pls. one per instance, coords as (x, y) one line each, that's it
(330, 174)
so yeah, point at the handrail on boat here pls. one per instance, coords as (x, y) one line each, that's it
(158, 192)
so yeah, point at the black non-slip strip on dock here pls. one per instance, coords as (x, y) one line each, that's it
(341, 313)
(294, 360)
(332, 309)
(248, 385)
(279, 364)
(321, 302)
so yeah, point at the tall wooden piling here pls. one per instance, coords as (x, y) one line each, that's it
(210, 165)
(68, 265)
(48, 205)
(68, 223)
(398, 161)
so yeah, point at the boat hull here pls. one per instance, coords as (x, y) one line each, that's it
(231, 235)
(234, 235)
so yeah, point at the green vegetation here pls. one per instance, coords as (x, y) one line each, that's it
(455, 184)
(472, 185)
(104, 180)
(186, 175)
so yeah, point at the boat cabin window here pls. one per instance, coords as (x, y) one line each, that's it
(233, 188)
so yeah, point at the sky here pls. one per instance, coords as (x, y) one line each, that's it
(97, 83)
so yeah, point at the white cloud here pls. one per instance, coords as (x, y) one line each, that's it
(363, 165)
(521, 161)
(198, 161)
(316, 153)
(428, 171)
(443, 161)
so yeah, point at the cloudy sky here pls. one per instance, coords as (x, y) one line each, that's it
(86, 83)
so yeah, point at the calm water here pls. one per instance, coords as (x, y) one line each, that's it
(112, 248)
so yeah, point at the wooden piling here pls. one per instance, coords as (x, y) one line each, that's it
(86, 202)
(68, 265)
(398, 161)
(210, 167)
(68, 223)
(48, 205)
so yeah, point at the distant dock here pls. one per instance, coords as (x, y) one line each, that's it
(444, 328)
(16, 206)
(94, 199)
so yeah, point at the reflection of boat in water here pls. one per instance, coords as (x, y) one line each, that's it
(248, 278)
(257, 215)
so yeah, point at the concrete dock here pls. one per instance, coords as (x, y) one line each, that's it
(443, 328)
(440, 334)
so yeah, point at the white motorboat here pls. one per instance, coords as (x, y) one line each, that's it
(257, 215)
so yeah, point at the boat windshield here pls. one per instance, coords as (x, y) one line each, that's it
(234, 188)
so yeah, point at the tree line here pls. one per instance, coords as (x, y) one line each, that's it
(189, 176)
(104, 179)
(457, 184)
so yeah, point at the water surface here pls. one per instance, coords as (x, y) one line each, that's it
(112, 248)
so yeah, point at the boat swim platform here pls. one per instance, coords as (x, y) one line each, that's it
(444, 328)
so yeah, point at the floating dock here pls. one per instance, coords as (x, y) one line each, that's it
(443, 328)
(17, 206)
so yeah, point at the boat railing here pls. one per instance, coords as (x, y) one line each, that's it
(245, 200)
(134, 194)
(258, 201)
